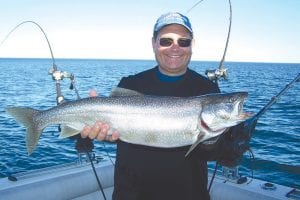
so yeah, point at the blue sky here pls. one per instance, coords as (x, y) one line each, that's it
(262, 30)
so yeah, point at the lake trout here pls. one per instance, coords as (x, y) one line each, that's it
(155, 121)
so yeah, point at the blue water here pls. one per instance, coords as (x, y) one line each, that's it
(25, 82)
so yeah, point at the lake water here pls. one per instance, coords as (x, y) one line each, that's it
(25, 82)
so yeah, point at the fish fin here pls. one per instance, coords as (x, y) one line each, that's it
(202, 139)
(26, 116)
(199, 140)
(67, 131)
(120, 92)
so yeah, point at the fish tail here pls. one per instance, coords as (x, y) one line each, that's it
(27, 117)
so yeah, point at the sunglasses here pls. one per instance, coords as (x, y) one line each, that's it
(182, 42)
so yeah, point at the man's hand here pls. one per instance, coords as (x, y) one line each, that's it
(100, 130)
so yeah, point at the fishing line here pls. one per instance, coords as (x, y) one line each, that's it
(57, 76)
(107, 154)
(252, 158)
(215, 75)
(44, 33)
(194, 6)
(213, 176)
(94, 170)
(221, 66)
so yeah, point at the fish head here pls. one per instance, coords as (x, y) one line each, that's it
(218, 113)
(221, 111)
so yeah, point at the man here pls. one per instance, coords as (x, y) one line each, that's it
(143, 172)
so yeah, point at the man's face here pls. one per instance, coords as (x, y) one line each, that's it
(171, 57)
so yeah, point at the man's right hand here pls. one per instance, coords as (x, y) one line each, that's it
(99, 130)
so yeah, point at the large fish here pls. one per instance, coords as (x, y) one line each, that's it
(147, 120)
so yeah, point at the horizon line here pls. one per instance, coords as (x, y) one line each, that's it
(147, 59)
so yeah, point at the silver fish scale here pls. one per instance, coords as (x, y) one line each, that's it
(148, 121)
(145, 120)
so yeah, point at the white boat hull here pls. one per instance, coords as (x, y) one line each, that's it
(78, 182)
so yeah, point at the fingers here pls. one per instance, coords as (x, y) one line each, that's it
(110, 138)
(85, 131)
(115, 135)
(99, 131)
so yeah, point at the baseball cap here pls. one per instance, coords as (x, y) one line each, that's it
(172, 18)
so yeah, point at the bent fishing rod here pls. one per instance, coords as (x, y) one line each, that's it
(221, 72)
(58, 76)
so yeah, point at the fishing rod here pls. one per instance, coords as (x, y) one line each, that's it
(276, 98)
(194, 6)
(215, 74)
(58, 76)
(45, 35)
(251, 122)
(221, 72)
(241, 143)
(249, 125)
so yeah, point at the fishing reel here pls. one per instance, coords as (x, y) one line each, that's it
(57, 76)
(83, 145)
(215, 75)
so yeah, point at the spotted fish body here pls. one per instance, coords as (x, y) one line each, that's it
(146, 120)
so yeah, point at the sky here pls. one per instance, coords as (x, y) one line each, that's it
(262, 30)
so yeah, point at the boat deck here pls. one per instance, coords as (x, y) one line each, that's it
(78, 182)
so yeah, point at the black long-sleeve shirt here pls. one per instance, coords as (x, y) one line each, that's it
(143, 172)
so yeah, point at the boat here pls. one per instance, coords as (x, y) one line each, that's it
(77, 181)
(80, 180)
